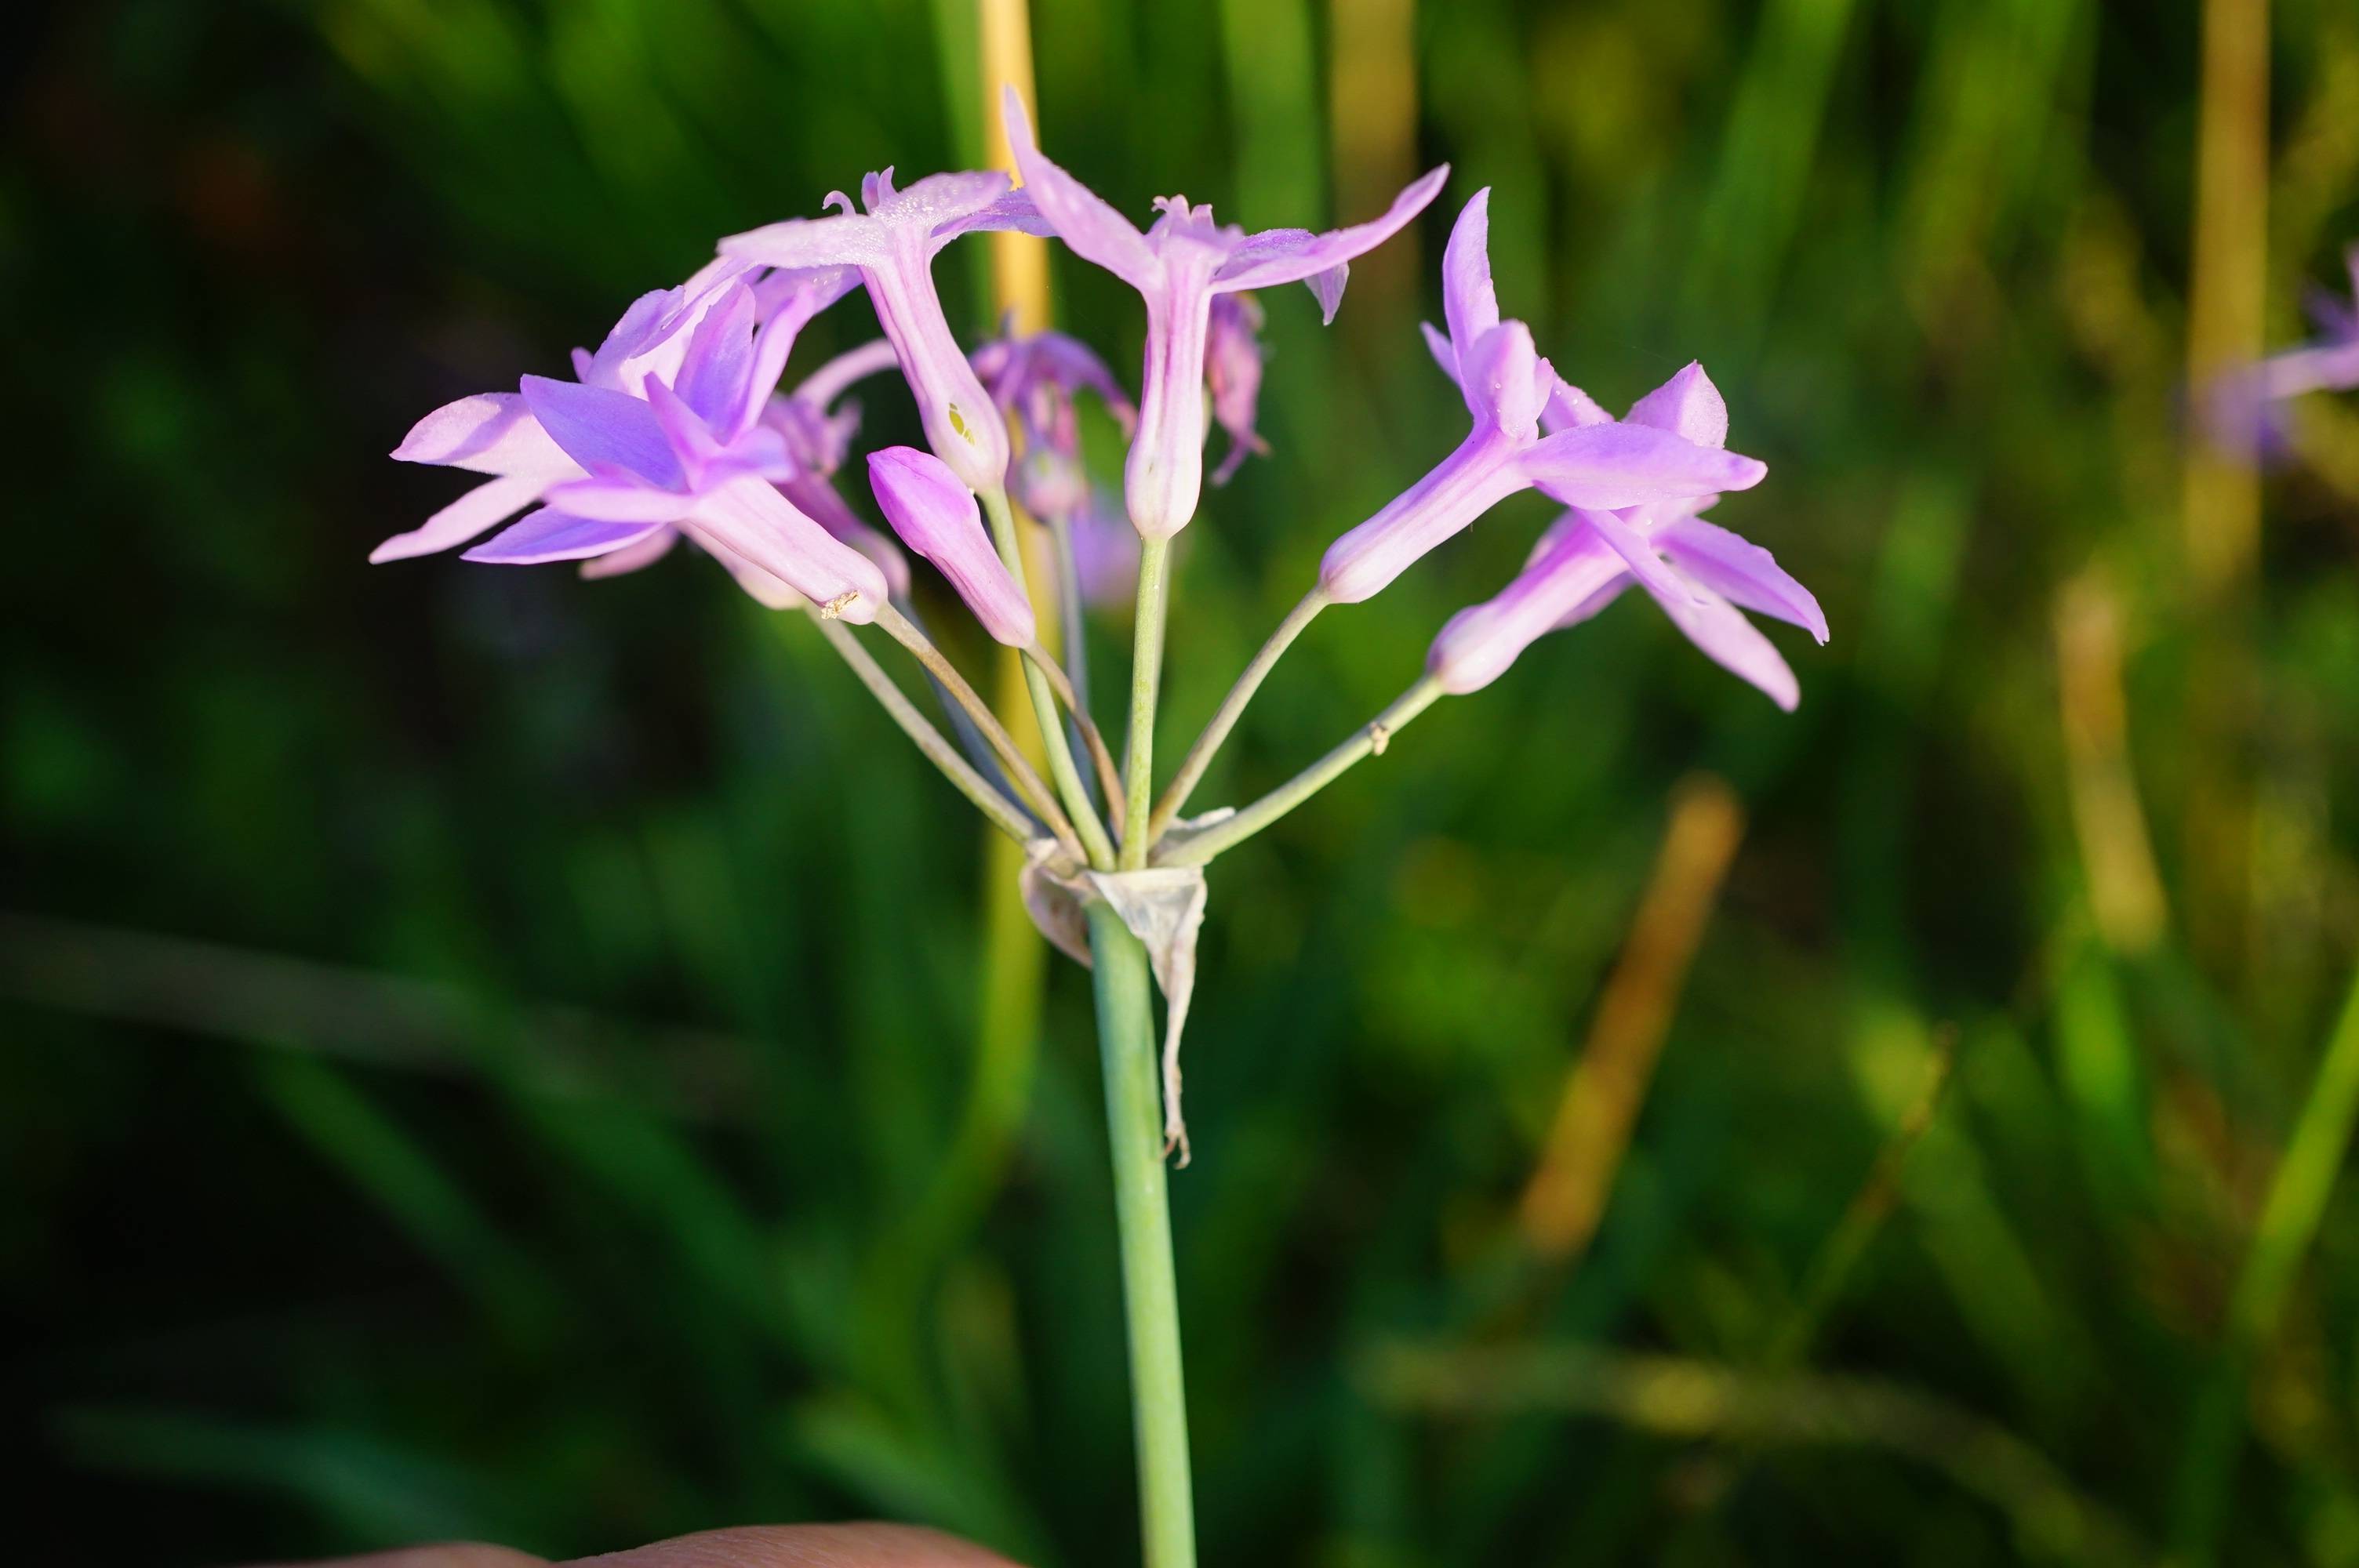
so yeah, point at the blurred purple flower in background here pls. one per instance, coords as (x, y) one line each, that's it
(1178, 265)
(1233, 378)
(1032, 377)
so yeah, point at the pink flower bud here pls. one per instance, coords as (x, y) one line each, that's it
(936, 515)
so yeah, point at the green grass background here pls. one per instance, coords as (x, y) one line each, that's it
(478, 1050)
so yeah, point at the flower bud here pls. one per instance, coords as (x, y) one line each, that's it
(936, 515)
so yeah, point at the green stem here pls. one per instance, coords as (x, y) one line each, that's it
(1372, 737)
(1146, 680)
(1149, 1284)
(1044, 700)
(994, 805)
(1232, 708)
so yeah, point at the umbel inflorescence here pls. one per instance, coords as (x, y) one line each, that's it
(676, 427)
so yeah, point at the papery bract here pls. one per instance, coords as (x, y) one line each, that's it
(935, 514)
(1507, 387)
(1178, 265)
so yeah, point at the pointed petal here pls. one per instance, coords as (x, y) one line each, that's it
(493, 501)
(1292, 255)
(1688, 404)
(1469, 305)
(1436, 343)
(839, 239)
(1714, 625)
(1091, 229)
(1740, 572)
(492, 432)
(1607, 466)
(1638, 553)
(549, 535)
(618, 501)
(1505, 380)
(633, 557)
(600, 428)
(828, 383)
(717, 370)
(1013, 211)
(1570, 408)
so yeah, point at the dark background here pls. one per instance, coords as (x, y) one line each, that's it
(482, 1054)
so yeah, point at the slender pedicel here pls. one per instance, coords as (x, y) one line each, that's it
(1233, 707)
(1002, 813)
(1146, 680)
(1044, 700)
(1370, 739)
(1028, 783)
(1109, 776)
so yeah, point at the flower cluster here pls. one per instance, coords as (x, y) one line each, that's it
(676, 427)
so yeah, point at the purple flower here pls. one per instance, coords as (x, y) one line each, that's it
(661, 437)
(935, 513)
(1033, 379)
(2330, 365)
(2239, 409)
(1178, 265)
(495, 432)
(1600, 464)
(893, 244)
(1233, 376)
(1701, 574)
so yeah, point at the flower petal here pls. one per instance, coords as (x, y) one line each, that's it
(633, 557)
(1090, 227)
(825, 385)
(601, 428)
(1469, 303)
(1638, 553)
(493, 501)
(717, 370)
(1292, 255)
(1436, 342)
(1577, 571)
(1688, 404)
(618, 501)
(1013, 211)
(748, 516)
(1505, 380)
(841, 239)
(1713, 624)
(1739, 570)
(492, 432)
(549, 535)
(1570, 408)
(1608, 466)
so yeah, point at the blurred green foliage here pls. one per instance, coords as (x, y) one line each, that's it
(587, 994)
